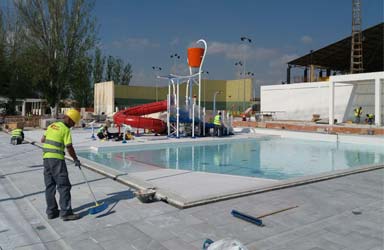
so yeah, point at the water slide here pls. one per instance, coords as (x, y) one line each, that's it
(247, 111)
(132, 116)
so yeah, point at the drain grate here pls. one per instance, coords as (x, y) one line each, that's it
(40, 227)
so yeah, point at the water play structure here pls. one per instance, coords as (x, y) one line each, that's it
(184, 119)
(132, 116)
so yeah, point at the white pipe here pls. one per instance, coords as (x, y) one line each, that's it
(201, 66)
(331, 107)
(177, 109)
(203, 121)
(169, 109)
(193, 120)
(186, 94)
(378, 102)
(190, 85)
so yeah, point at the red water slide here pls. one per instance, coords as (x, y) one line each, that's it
(132, 116)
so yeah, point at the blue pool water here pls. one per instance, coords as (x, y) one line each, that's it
(269, 157)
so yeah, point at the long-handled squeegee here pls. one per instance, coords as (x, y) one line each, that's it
(98, 207)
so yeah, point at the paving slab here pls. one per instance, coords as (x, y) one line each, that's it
(322, 220)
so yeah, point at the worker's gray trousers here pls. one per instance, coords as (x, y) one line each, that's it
(56, 176)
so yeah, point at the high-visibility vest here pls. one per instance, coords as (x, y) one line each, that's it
(371, 116)
(57, 137)
(101, 129)
(217, 120)
(358, 111)
(16, 132)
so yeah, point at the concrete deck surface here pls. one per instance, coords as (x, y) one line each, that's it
(322, 220)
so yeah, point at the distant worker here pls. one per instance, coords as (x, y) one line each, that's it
(103, 132)
(358, 112)
(218, 123)
(56, 139)
(17, 136)
(370, 118)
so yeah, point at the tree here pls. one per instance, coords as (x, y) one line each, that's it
(110, 67)
(3, 63)
(117, 71)
(98, 66)
(15, 72)
(60, 33)
(127, 75)
(81, 83)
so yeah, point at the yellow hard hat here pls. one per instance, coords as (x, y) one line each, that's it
(74, 115)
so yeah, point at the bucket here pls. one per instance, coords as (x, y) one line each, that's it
(195, 56)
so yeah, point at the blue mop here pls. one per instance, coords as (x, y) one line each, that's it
(98, 207)
(246, 217)
(257, 220)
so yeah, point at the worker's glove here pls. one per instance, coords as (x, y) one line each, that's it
(77, 163)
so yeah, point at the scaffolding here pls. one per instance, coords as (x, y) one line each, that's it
(357, 39)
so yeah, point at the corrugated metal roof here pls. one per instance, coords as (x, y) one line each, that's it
(337, 56)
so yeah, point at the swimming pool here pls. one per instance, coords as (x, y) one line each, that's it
(268, 157)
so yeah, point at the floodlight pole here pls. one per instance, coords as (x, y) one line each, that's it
(249, 40)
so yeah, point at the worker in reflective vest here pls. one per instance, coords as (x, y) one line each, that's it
(218, 123)
(56, 139)
(17, 136)
(103, 132)
(370, 118)
(358, 112)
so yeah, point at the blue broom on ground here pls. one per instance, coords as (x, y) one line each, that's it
(98, 207)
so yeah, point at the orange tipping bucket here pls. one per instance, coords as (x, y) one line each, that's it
(195, 55)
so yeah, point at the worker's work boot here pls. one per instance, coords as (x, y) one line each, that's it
(53, 215)
(70, 217)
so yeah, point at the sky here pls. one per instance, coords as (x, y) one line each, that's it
(145, 33)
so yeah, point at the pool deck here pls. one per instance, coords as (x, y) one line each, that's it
(322, 220)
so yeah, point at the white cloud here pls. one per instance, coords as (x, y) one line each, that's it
(282, 60)
(134, 43)
(237, 51)
(306, 39)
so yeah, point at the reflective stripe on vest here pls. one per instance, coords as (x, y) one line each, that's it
(51, 150)
(217, 120)
(54, 143)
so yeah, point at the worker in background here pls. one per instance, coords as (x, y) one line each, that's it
(103, 132)
(17, 136)
(56, 139)
(358, 112)
(218, 123)
(370, 118)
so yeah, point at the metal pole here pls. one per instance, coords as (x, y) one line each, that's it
(245, 47)
(204, 121)
(244, 82)
(193, 120)
(169, 109)
(201, 65)
(214, 101)
(177, 108)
